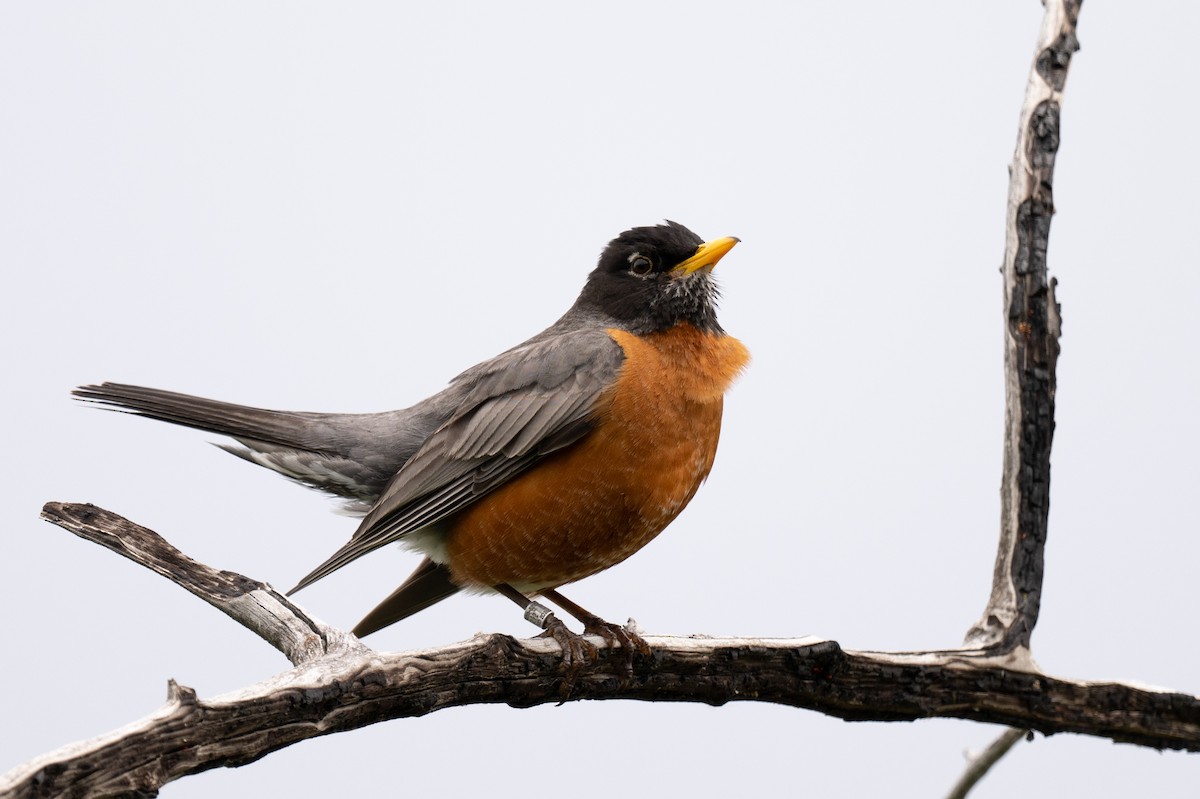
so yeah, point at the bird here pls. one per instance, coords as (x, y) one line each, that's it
(552, 461)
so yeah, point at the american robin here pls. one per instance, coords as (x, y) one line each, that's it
(549, 463)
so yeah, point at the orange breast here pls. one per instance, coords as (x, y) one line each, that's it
(597, 502)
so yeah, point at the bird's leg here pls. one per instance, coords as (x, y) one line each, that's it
(576, 650)
(612, 634)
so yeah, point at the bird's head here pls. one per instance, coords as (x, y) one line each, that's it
(652, 278)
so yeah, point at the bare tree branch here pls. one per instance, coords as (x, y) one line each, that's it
(256, 606)
(1032, 330)
(981, 763)
(350, 686)
(337, 683)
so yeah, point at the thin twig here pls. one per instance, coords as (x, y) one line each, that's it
(981, 763)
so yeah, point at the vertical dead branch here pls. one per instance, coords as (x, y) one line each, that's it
(1032, 327)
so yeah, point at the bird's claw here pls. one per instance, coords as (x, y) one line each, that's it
(616, 634)
(576, 649)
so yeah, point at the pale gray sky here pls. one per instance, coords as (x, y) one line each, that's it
(286, 204)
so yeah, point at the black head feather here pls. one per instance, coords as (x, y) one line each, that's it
(634, 283)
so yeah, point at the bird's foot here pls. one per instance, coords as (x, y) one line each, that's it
(615, 634)
(576, 650)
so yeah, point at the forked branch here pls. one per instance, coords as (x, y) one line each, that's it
(337, 683)
(345, 685)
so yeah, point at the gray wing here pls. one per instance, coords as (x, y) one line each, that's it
(514, 410)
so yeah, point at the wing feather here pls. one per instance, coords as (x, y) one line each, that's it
(515, 409)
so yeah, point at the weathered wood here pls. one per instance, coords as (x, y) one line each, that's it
(348, 686)
(255, 605)
(338, 684)
(347, 690)
(1032, 326)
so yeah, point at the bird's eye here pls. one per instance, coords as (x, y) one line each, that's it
(640, 265)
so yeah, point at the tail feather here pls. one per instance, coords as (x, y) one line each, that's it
(426, 586)
(347, 455)
(283, 428)
(352, 456)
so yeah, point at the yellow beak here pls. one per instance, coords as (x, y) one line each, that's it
(707, 255)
